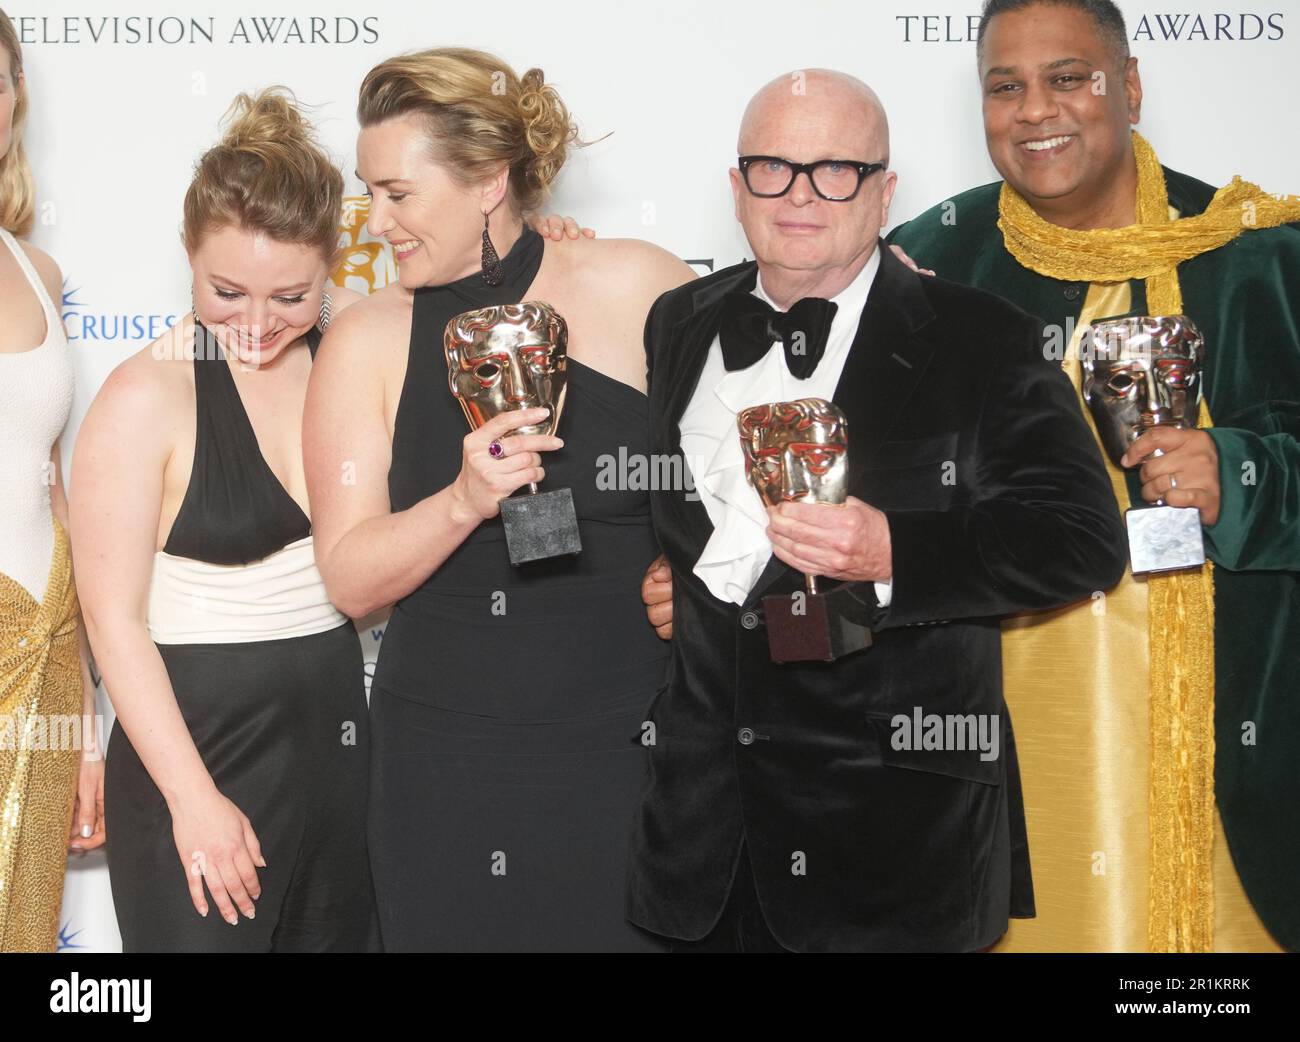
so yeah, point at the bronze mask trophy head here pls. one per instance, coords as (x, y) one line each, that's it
(796, 451)
(1140, 373)
(799, 452)
(505, 358)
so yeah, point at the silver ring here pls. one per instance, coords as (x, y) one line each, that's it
(495, 449)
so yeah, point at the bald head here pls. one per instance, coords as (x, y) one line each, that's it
(821, 103)
(806, 243)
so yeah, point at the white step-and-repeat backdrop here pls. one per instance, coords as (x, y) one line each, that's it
(126, 95)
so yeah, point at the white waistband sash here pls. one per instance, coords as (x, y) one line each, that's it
(282, 595)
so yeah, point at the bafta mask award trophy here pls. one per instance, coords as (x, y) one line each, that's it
(509, 357)
(1138, 374)
(798, 451)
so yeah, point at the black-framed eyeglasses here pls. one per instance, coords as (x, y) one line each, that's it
(835, 180)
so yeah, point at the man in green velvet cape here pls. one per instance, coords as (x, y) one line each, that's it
(1065, 147)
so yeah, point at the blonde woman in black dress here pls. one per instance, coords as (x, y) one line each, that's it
(507, 703)
(237, 769)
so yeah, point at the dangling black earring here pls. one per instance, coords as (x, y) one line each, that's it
(492, 273)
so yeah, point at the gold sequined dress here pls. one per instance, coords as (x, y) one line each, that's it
(40, 667)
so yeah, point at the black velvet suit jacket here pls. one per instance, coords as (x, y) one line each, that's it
(997, 502)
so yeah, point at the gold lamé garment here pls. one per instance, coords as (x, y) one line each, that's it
(40, 684)
(1076, 682)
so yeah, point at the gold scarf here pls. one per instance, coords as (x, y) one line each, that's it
(1180, 621)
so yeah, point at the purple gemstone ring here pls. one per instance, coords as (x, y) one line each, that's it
(495, 450)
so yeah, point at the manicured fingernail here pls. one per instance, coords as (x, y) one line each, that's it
(203, 911)
(87, 832)
(232, 919)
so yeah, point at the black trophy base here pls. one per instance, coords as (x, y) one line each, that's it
(540, 525)
(821, 633)
(1164, 539)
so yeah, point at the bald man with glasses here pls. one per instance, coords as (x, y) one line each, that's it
(838, 805)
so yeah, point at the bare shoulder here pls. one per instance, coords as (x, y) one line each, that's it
(47, 269)
(605, 288)
(623, 264)
(161, 373)
(154, 385)
(343, 298)
(374, 316)
(370, 336)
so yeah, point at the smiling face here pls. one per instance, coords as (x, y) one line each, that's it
(824, 115)
(257, 295)
(434, 224)
(1058, 107)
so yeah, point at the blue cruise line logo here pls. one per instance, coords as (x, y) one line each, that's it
(85, 323)
(67, 938)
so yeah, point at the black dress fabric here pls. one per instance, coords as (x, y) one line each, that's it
(507, 703)
(235, 510)
(281, 726)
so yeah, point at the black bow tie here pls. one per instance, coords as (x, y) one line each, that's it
(750, 324)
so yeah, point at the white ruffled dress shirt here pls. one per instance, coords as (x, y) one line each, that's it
(739, 549)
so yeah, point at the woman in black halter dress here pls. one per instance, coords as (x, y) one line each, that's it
(507, 703)
(236, 771)
(269, 678)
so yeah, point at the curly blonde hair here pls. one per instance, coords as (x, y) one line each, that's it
(478, 115)
(17, 189)
(267, 173)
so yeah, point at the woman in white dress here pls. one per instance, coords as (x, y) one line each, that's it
(51, 772)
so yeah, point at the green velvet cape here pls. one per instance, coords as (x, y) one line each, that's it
(1245, 298)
